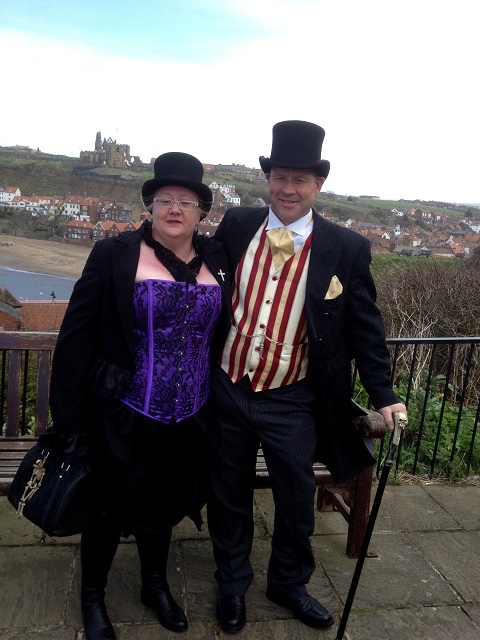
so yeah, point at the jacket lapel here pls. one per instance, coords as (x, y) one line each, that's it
(215, 261)
(242, 232)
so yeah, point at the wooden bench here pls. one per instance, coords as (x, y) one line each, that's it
(25, 379)
(25, 362)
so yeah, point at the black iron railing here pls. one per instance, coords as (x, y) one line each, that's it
(439, 381)
(437, 378)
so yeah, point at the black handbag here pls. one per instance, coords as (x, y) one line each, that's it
(54, 485)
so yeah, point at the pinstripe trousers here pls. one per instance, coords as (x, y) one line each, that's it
(282, 422)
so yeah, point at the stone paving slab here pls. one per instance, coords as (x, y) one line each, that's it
(456, 555)
(428, 623)
(35, 584)
(154, 631)
(458, 501)
(424, 585)
(411, 508)
(400, 577)
(473, 612)
(39, 634)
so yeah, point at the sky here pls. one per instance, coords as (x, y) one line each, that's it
(393, 83)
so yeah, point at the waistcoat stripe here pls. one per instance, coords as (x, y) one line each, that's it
(248, 314)
(288, 299)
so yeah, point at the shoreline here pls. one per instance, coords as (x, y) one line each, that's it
(43, 256)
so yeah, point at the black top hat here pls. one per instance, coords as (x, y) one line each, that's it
(297, 145)
(175, 168)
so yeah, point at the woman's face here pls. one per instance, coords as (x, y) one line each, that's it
(172, 221)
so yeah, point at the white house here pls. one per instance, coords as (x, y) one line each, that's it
(72, 208)
(227, 188)
(232, 199)
(7, 194)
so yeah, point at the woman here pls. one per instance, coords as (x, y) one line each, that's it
(131, 368)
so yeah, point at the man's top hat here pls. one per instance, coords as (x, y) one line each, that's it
(182, 169)
(297, 145)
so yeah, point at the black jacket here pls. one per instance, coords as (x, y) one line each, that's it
(95, 346)
(339, 330)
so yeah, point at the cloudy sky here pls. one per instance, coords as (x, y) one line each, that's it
(394, 83)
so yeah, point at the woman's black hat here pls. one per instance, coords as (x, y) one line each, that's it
(182, 169)
(297, 145)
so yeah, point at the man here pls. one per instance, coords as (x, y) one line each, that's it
(303, 308)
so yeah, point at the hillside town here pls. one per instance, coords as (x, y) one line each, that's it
(416, 230)
(87, 219)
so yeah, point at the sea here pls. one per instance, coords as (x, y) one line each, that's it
(33, 285)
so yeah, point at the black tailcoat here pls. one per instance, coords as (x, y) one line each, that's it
(348, 327)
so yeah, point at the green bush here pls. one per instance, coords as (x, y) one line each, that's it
(439, 445)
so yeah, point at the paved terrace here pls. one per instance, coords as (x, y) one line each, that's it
(424, 584)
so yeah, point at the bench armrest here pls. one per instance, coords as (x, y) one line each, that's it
(369, 423)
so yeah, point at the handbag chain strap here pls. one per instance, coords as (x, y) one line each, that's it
(33, 485)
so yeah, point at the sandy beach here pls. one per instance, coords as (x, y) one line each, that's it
(44, 256)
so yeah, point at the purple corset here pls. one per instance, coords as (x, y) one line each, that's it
(174, 327)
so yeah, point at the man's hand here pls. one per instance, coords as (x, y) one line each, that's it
(387, 413)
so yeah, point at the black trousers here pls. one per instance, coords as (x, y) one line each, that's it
(282, 421)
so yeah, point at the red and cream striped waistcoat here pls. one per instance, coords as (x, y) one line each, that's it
(268, 337)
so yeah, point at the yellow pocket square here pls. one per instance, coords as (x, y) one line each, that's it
(335, 288)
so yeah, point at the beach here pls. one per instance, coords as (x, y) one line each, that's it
(44, 256)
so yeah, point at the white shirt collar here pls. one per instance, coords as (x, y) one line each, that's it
(301, 227)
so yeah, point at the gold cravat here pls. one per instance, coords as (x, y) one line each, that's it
(281, 245)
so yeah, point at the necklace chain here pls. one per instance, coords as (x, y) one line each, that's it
(263, 336)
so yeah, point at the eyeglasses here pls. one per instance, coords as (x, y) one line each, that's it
(185, 205)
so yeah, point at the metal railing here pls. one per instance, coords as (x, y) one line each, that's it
(437, 378)
(439, 381)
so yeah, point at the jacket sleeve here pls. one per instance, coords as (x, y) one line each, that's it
(75, 349)
(366, 332)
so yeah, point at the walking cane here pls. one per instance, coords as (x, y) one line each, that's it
(399, 420)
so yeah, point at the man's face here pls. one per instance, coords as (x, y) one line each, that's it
(292, 192)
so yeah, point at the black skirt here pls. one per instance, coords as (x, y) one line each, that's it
(152, 473)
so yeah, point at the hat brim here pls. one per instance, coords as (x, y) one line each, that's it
(202, 191)
(320, 168)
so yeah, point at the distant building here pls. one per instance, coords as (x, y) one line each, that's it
(116, 211)
(10, 318)
(7, 194)
(109, 153)
(109, 228)
(43, 315)
(80, 230)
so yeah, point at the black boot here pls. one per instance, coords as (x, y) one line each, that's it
(98, 547)
(96, 622)
(153, 551)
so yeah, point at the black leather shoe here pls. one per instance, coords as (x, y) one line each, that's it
(96, 622)
(231, 613)
(305, 608)
(169, 613)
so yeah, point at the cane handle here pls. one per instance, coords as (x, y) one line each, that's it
(399, 423)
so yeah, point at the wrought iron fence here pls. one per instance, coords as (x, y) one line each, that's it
(437, 378)
(439, 381)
